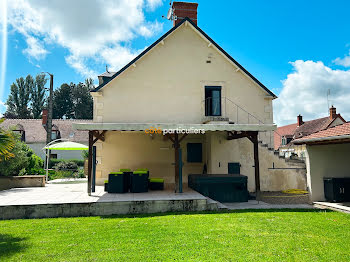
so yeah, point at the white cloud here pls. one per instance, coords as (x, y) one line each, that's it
(86, 28)
(153, 4)
(305, 92)
(343, 61)
(35, 48)
(149, 29)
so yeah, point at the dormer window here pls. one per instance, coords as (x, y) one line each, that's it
(284, 141)
(55, 133)
(20, 131)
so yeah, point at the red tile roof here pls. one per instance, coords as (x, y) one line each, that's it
(36, 133)
(305, 129)
(339, 130)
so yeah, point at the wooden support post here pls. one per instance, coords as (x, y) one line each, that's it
(176, 147)
(256, 165)
(91, 137)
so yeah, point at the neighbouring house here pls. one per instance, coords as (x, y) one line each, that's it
(327, 156)
(284, 135)
(185, 100)
(33, 133)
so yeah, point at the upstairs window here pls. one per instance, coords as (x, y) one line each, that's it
(213, 100)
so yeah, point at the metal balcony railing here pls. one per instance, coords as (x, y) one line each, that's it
(224, 109)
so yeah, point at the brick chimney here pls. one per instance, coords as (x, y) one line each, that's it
(300, 120)
(332, 113)
(183, 9)
(44, 116)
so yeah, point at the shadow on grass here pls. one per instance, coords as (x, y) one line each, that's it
(10, 245)
(306, 210)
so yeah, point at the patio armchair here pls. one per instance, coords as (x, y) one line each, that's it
(117, 183)
(139, 181)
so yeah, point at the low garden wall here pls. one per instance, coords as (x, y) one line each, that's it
(7, 182)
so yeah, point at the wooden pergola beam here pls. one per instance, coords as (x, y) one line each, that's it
(99, 136)
(176, 143)
(92, 141)
(91, 136)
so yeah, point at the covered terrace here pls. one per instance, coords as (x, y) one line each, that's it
(175, 134)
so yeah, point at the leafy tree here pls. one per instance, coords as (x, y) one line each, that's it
(82, 100)
(73, 101)
(23, 158)
(19, 98)
(38, 96)
(63, 106)
(89, 82)
(7, 143)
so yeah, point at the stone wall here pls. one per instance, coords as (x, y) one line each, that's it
(7, 182)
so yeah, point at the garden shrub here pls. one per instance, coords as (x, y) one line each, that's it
(58, 174)
(54, 162)
(66, 166)
(24, 158)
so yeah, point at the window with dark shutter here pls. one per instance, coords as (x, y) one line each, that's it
(194, 152)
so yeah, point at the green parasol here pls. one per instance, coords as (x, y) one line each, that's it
(67, 145)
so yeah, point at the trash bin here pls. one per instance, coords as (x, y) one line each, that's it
(139, 182)
(156, 183)
(337, 189)
(117, 183)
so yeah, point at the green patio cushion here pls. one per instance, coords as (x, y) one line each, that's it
(125, 170)
(116, 173)
(156, 180)
(140, 172)
(106, 181)
(142, 169)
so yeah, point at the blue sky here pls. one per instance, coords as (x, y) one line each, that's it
(266, 37)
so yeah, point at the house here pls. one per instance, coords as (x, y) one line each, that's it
(327, 155)
(284, 135)
(185, 106)
(33, 133)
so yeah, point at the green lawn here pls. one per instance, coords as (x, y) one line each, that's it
(236, 236)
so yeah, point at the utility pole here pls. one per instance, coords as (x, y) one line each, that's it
(49, 115)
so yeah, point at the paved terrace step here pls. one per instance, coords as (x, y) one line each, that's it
(71, 200)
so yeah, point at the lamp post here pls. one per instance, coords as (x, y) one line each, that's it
(49, 122)
(49, 113)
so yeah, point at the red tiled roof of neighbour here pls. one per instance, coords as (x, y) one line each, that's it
(335, 131)
(305, 129)
(36, 133)
(283, 131)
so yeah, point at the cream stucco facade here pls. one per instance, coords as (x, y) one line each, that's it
(167, 85)
(325, 161)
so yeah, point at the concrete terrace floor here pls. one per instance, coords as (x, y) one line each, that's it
(68, 191)
(76, 192)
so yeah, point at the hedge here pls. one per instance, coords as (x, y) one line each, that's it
(54, 162)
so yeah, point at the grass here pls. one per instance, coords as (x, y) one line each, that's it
(272, 235)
